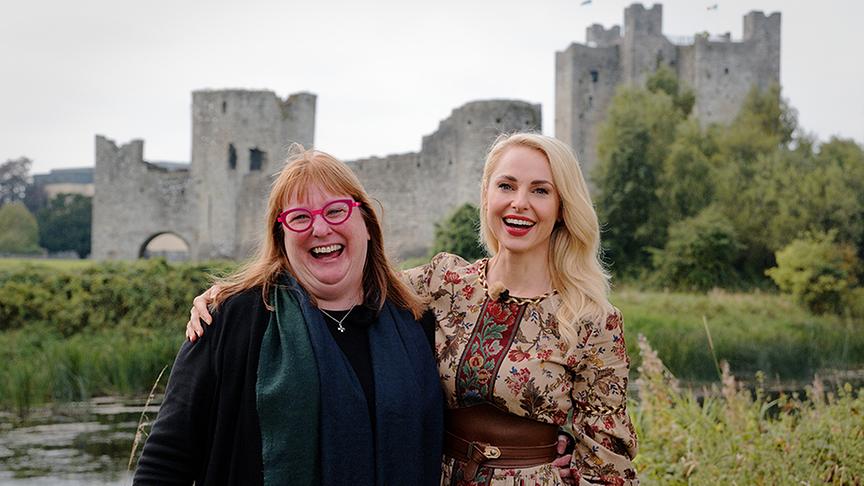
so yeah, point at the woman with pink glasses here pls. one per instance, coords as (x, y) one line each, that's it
(315, 369)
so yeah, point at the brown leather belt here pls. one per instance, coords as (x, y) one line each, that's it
(482, 435)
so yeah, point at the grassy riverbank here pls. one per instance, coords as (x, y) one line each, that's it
(72, 331)
(734, 436)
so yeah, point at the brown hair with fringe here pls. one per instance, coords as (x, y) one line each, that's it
(303, 169)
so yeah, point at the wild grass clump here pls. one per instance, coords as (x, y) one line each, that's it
(732, 435)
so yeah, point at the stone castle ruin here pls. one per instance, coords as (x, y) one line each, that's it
(719, 71)
(240, 138)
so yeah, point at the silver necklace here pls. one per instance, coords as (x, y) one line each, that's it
(338, 322)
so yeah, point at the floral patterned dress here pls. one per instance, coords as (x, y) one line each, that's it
(510, 354)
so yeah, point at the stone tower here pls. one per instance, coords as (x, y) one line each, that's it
(239, 139)
(718, 70)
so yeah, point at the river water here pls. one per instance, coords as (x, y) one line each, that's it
(72, 444)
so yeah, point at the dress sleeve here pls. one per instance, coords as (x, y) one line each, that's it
(605, 437)
(175, 449)
(426, 278)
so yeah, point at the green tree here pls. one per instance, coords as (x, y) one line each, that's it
(632, 145)
(700, 254)
(750, 152)
(664, 80)
(65, 223)
(688, 176)
(817, 271)
(19, 232)
(459, 233)
(14, 177)
(845, 158)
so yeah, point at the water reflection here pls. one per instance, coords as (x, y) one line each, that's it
(70, 444)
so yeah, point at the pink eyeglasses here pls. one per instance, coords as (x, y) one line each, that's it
(334, 212)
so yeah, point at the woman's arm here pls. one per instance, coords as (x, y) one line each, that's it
(178, 442)
(605, 437)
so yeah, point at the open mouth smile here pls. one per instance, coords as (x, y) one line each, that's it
(517, 222)
(333, 250)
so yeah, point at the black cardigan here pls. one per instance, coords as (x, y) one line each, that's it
(220, 369)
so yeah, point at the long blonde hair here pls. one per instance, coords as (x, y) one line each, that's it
(305, 168)
(574, 257)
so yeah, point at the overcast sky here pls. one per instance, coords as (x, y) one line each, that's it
(385, 71)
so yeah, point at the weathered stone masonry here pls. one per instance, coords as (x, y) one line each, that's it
(240, 139)
(719, 71)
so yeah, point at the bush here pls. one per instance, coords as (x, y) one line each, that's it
(146, 293)
(699, 255)
(458, 234)
(818, 272)
(19, 232)
(64, 225)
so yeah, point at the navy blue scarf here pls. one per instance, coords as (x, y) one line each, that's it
(405, 447)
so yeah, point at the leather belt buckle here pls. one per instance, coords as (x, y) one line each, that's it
(490, 452)
(478, 453)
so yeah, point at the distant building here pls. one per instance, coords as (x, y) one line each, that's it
(719, 71)
(70, 181)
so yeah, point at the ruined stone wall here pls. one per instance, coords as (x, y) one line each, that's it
(417, 190)
(722, 73)
(135, 201)
(239, 140)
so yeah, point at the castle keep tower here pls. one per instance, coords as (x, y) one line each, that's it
(239, 139)
(719, 71)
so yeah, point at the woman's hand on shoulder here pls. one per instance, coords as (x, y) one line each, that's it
(200, 312)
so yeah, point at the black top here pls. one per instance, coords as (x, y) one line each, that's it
(354, 343)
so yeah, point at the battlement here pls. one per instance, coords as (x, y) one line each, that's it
(641, 21)
(758, 26)
(598, 36)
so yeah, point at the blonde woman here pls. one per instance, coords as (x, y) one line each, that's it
(526, 340)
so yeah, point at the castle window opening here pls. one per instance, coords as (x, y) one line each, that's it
(726, 70)
(232, 156)
(256, 159)
(497, 120)
(224, 106)
(594, 75)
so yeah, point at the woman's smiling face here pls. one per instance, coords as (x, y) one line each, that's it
(522, 203)
(327, 259)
